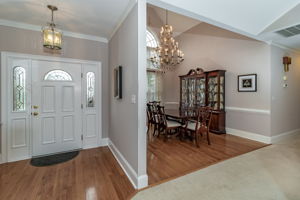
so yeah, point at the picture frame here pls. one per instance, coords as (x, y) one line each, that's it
(247, 83)
(118, 82)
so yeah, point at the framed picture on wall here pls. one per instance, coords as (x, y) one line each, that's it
(118, 82)
(247, 83)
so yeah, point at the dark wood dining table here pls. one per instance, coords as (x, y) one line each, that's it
(178, 114)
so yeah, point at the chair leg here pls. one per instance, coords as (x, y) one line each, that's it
(180, 134)
(208, 139)
(159, 128)
(149, 126)
(166, 135)
(197, 139)
(154, 129)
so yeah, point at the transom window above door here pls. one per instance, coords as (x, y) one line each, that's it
(58, 75)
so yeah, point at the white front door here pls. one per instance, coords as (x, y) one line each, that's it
(56, 107)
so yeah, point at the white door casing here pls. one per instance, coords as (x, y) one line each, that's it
(19, 128)
(56, 108)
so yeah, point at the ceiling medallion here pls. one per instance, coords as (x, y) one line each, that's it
(168, 51)
(52, 37)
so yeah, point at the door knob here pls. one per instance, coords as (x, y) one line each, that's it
(35, 107)
(35, 113)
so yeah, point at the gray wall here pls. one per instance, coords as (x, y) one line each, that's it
(210, 48)
(30, 42)
(285, 109)
(124, 114)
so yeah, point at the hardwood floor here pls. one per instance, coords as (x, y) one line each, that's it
(93, 174)
(168, 160)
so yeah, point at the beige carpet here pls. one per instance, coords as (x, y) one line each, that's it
(270, 173)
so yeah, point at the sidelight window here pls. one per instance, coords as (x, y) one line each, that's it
(90, 88)
(19, 93)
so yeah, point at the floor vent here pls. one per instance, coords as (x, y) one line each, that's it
(289, 32)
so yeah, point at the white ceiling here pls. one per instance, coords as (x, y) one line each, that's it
(180, 23)
(258, 19)
(251, 16)
(90, 17)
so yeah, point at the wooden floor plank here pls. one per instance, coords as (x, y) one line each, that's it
(95, 173)
(174, 158)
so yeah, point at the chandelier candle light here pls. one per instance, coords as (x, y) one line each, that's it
(52, 37)
(168, 51)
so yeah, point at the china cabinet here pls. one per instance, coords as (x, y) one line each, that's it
(199, 88)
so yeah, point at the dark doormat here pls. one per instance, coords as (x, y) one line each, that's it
(53, 159)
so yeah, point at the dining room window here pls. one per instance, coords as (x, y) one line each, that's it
(153, 68)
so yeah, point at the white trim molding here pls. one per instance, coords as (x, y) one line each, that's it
(249, 135)
(284, 47)
(138, 182)
(282, 136)
(31, 27)
(262, 138)
(171, 103)
(123, 17)
(251, 110)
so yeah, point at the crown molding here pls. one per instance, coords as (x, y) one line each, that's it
(39, 28)
(284, 47)
(123, 17)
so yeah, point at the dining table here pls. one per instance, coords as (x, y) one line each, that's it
(182, 116)
(179, 114)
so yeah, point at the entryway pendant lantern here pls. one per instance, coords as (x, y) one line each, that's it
(52, 37)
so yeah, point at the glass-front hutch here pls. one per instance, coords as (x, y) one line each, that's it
(199, 88)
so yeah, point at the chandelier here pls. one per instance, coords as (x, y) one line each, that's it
(168, 51)
(52, 37)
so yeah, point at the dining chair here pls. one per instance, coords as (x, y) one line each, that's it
(166, 125)
(150, 121)
(200, 125)
(153, 117)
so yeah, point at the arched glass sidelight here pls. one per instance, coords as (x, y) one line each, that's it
(58, 75)
(90, 88)
(19, 92)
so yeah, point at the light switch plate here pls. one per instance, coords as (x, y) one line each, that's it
(285, 85)
(133, 99)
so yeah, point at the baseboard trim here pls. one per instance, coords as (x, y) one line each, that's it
(138, 182)
(249, 135)
(129, 171)
(282, 136)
